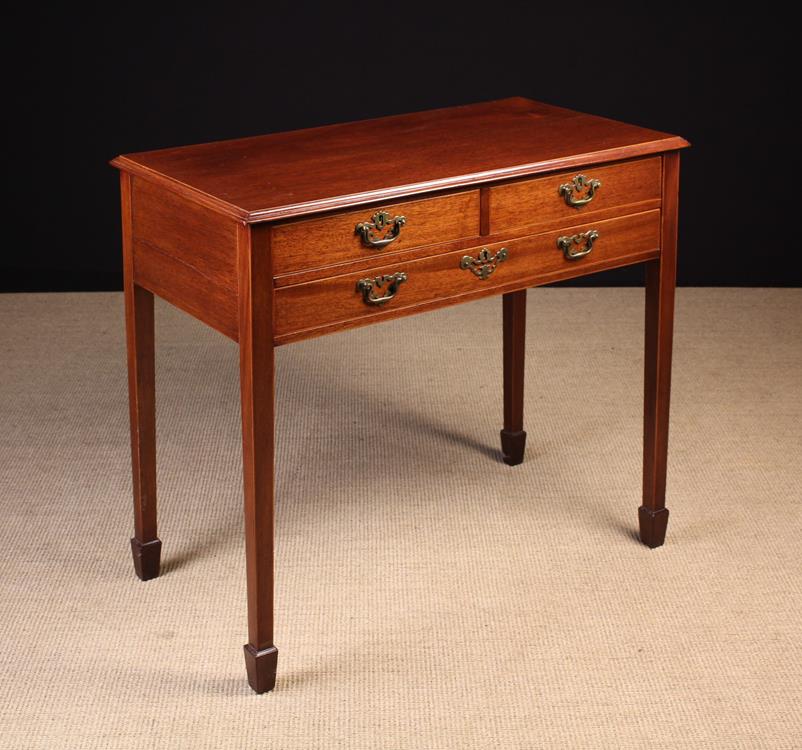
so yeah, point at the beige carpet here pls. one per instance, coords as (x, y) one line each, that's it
(428, 595)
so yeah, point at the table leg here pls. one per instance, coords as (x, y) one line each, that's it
(257, 386)
(513, 437)
(145, 545)
(660, 283)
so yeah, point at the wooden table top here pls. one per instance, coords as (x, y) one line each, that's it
(306, 171)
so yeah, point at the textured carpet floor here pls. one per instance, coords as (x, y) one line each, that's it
(428, 595)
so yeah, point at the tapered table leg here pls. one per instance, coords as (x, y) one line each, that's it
(660, 283)
(513, 437)
(145, 545)
(257, 385)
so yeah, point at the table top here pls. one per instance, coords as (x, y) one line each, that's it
(317, 169)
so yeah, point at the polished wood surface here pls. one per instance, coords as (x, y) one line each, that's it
(628, 187)
(186, 254)
(660, 282)
(329, 240)
(368, 261)
(438, 280)
(257, 389)
(513, 436)
(197, 239)
(306, 171)
(139, 324)
(256, 238)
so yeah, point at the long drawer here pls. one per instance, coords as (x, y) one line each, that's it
(557, 199)
(374, 232)
(356, 298)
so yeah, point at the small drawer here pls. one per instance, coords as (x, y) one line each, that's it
(373, 232)
(361, 297)
(553, 200)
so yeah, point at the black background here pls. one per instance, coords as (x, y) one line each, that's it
(119, 78)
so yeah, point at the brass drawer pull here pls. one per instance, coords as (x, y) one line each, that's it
(366, 286)
(484, 263)
(567, 244)
(381, 230)
(580, 184)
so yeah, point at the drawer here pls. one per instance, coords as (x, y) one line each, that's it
(543, 203)
(354, 298)
(373, 232)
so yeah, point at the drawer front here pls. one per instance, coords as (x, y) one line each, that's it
(356, 298)
(374, 232)
(544, 202)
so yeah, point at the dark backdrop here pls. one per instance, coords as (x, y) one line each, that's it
(121, 78)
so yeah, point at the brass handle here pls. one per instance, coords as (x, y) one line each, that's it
(567, 244)
(580, 184)
(381, 230)
(366, 286)
(484, 263)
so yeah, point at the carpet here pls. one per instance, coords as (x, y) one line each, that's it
(428, 595)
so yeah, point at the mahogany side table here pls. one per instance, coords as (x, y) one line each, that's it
(283, 237)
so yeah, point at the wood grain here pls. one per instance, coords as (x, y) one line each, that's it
(257, 393)
(186, 255)
(197, 238)
(325, 241)
(537, 204)
(139, 335)
(660, 283)
(484, 210)
(319, 169)
(402, 256)
(439, 280)
(189, 291)
(501, 234)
